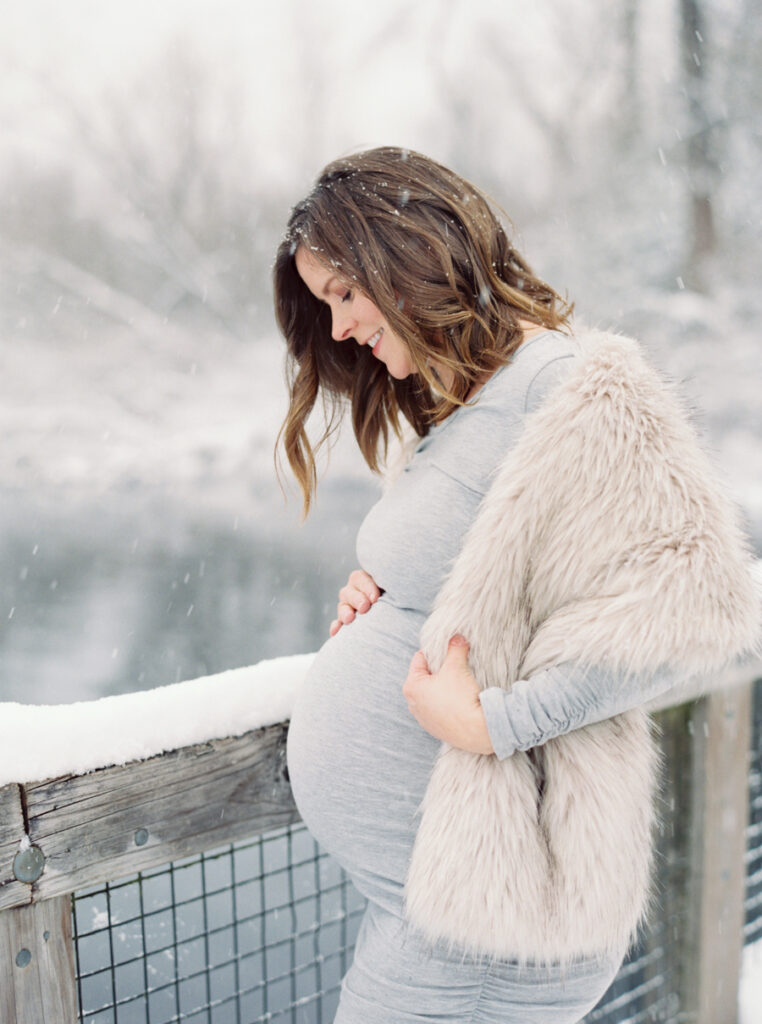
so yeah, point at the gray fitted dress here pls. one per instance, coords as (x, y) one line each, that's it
(359, 762)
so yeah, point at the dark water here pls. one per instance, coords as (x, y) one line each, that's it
(115, 593)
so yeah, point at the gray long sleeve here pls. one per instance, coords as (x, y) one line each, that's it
(561, 698)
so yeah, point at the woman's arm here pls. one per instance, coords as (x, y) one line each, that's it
(449, 705)
(561, 698)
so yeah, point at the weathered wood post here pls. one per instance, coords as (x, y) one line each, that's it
(702, 870)
(696, 933)
(36, 941)
(36, 949)
(722, 740)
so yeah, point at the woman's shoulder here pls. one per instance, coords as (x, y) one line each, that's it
(471, 444)
(541, 362)
(596, 362)
(604, 371)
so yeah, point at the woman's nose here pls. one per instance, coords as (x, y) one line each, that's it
(343, 326)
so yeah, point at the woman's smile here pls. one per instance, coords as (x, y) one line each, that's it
(375, 339)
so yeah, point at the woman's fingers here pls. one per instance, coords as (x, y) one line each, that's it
(359, 594)
(363, 582)
(355, 599)
(345, 613)
(358, 598)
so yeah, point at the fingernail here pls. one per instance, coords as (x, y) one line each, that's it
(459, 641)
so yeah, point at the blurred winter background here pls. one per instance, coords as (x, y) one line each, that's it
(150, 155)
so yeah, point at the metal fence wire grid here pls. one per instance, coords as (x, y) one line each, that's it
(257, 931)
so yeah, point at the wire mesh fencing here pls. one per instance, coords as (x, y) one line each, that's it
(254, 932)
(263, 931)
(753, 923)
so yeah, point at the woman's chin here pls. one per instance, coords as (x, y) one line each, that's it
(399, 373)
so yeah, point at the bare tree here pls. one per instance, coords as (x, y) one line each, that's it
(701, 164)
(507, 84)
(629, 119)
(172, 215)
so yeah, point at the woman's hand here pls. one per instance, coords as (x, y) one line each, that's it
(446, 703)
(357, 596)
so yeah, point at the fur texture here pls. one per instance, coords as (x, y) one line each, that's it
(604, 538)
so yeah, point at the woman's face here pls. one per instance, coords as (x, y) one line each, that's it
(354, 316)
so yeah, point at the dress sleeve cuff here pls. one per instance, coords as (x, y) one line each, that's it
(499, 728)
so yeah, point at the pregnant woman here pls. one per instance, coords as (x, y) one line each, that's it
(550, 552)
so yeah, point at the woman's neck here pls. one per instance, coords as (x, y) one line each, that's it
(528, 330)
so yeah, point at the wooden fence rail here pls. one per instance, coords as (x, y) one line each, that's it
(64, 834)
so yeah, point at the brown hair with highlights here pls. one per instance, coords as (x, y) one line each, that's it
(428, 249)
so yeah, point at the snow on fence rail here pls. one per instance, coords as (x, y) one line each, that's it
(43, 741)
(93, 819)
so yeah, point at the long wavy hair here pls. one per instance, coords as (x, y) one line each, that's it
(427, 248)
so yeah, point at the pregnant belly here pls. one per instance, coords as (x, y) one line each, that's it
(358, 761)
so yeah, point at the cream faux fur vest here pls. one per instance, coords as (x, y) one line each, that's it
(604, 538)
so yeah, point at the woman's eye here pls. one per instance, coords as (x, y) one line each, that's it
(346, 296)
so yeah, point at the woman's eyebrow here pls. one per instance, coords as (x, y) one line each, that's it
(328, 284)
